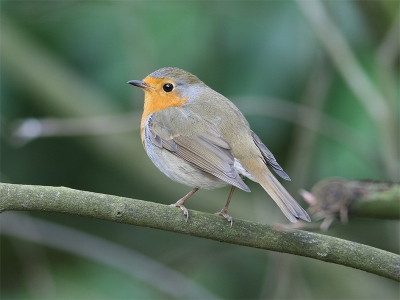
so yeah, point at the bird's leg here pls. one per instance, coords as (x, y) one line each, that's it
(224, 211)
(180, 203)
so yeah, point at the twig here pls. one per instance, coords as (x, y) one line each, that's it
(24, 131)
(148, 214)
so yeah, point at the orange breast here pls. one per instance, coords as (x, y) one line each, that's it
(156, 99)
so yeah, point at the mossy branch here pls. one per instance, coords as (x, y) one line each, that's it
(148, 214)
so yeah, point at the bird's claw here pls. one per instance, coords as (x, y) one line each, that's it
(226, 216)
(184, 209)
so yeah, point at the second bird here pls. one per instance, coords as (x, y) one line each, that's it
(198, 137)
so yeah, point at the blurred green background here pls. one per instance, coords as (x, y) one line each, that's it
(318, 82)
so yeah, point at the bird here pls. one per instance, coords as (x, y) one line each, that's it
(199, 138)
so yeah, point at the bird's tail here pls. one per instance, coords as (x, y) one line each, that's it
(292, 210)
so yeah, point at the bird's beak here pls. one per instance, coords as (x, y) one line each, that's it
(139, 83)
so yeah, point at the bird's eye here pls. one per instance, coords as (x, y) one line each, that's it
(168, 87)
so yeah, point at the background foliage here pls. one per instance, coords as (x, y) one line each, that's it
(69, 61)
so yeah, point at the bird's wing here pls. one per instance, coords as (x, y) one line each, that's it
(269, 157)
(205, 148)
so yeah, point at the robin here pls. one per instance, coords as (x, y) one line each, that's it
(199, 138)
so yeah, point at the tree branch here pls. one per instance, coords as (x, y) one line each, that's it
(148, 214)
(368, 199)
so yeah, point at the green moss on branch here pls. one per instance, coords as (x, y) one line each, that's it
(148, 214)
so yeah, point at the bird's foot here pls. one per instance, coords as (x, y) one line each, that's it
(181, 206)
(224, 214)
(180, 203)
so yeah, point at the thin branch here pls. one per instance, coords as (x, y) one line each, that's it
(368, 95)
(345, 60)
(26, 130)
(148, 214)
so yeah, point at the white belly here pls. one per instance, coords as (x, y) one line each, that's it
(179, 170)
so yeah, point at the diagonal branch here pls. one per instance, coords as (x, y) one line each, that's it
(148, 214)
(344, 59)
(369, 96)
